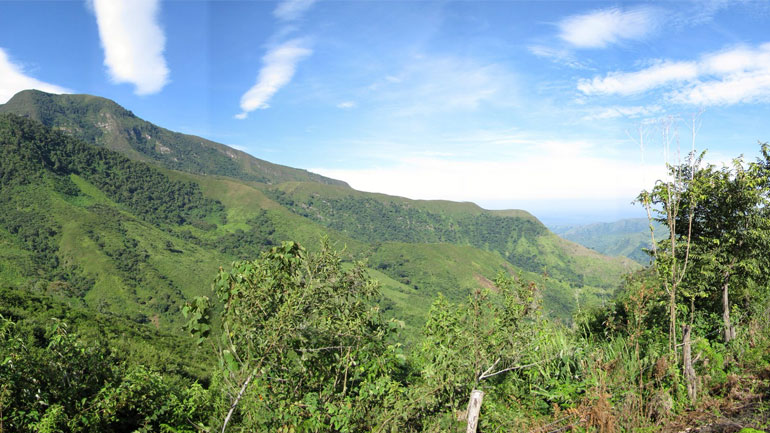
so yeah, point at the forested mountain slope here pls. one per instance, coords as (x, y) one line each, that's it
(627, 237)
(136, 233)
(122, 237)
(104, 123)
(96, 226)
(517, 236)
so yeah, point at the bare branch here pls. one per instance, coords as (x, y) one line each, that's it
(238, 399)
(519, 367)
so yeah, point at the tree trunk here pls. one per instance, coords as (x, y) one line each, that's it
(729, 328)
(474, 407)
(689, 371)
(672, 320)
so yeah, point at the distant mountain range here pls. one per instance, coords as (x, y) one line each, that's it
(623, 238)
(116, 214)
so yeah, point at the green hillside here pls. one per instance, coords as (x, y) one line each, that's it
(624, 238)
(104, 123)
(517, 236)
(98, 227)
(126, 237)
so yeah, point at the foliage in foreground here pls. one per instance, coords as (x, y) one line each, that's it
(302, 347)
(51, 381)
(301, 344)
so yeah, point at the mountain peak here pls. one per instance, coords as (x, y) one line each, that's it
(105, 123)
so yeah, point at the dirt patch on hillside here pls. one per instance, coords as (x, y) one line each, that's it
(746, 405)
(485, 282)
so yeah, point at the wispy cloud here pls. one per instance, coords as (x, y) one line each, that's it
(604, 27)
(346, 104)
(280, 62)
(13, 80)
(740, 74)
(735, 75)
(430, 84)
(278, 68)
(628, 83)
(133, 43)
(700, 12)
(289, 10)
(557, 55)
(631, 112)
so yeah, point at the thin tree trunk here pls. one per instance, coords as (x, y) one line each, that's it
(672, 320)
(689, 371)
(474, 407)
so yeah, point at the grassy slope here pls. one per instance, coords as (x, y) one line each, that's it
(173, 354)
(159, 285)
(166, 278)
(414, 273)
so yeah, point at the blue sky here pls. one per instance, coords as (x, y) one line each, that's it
(510, 104)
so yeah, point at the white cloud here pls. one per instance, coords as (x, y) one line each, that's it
(737, 59)
(603, 27)
(628, 83)
(346, 104)
(737, 75)
(280, 62)
(547, 175)
(278, 67)
(290, 10)
(13, 80)
(133, 43)
(631, 112)
(732, 76)
(739, 88)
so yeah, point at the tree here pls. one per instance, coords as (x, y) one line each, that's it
(53, 380)
(729, 232)
(301, 343)
(479, 341)
(667, 200)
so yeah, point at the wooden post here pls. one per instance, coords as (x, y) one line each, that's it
(474, 407)
(729, 329)
(689, 371)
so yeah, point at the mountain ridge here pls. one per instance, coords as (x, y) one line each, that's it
(105, 123)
